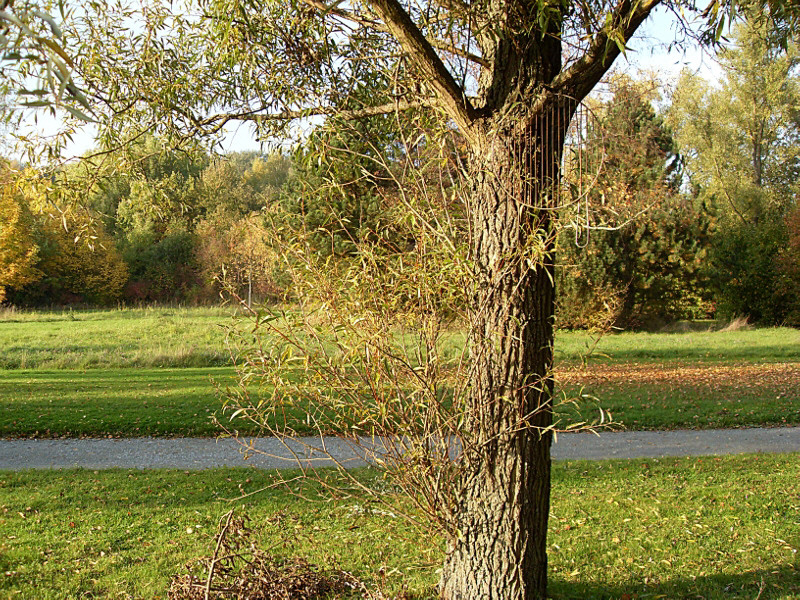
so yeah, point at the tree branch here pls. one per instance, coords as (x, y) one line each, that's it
(421, 50)
(214, 123)
(457, 6)
(579, 79)
(333, 9)
(441, 45)
(424, 57)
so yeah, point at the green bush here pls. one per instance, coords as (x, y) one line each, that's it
(789, 264)
(749, 277)
(645, 272)
(161, 269)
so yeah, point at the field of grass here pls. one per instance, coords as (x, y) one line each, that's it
(712, 528)
(776, 344)
(692, 397)
(648, 406)
(195, 337)
(116, 402)
(181, 402)
(144, 337)
(148, 372)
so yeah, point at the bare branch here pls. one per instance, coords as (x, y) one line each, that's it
(579, 79)
(424, 57)
(441, 45)
(219, 120)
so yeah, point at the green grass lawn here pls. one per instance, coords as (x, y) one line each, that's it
(712, 528)
(194, 337)
(775, 344)
(681, 406)
(147, 337)
(117, 402)
(147, 372)
(180, 402)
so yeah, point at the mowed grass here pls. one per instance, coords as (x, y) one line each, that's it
(138, 337)
(712, 528)
(135, 372)
(754, 345)
(692, 396)
(111, 402)
(181, 402)
(195, 337)
(695, 406)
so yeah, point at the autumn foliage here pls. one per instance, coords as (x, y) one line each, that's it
(79, 261)
(18, 248)
(53, 256)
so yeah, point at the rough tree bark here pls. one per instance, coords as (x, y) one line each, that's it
(517, 136)
(500, 547)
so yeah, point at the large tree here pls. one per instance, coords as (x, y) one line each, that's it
(508, 76)
(741, 140)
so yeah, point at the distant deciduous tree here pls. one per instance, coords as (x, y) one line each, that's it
(79, 262)
(239, 256)
(19, 251)
(741, 146)
(741, 141)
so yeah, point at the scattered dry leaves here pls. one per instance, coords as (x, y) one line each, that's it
(784, 375)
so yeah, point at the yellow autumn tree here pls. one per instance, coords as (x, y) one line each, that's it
(18, 249)
(238, 255)
(79, 260)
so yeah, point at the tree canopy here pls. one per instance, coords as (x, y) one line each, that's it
(500, 80)
(740, 142)
(190, 68)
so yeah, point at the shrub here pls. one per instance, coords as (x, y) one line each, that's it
(752, 270)
(789, 266)
(646, 271)
(161, 268)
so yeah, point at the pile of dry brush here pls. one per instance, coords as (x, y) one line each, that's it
(239, 570)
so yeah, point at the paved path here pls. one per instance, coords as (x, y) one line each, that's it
(196, 453)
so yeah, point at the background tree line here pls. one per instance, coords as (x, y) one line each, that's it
(685, 207)
(692, 205)
(153, 226)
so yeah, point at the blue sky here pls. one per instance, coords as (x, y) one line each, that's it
(650, 50)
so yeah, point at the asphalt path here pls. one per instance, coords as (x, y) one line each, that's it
(270, 453)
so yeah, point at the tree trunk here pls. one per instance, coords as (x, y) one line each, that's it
(498, 549)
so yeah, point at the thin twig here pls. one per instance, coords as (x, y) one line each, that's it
(214, 559)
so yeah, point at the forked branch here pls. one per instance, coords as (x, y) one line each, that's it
(424, 57)
(579, 79)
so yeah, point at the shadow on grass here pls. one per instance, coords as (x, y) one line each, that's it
(764, 584)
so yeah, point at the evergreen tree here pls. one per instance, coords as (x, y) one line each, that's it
(640, 243)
